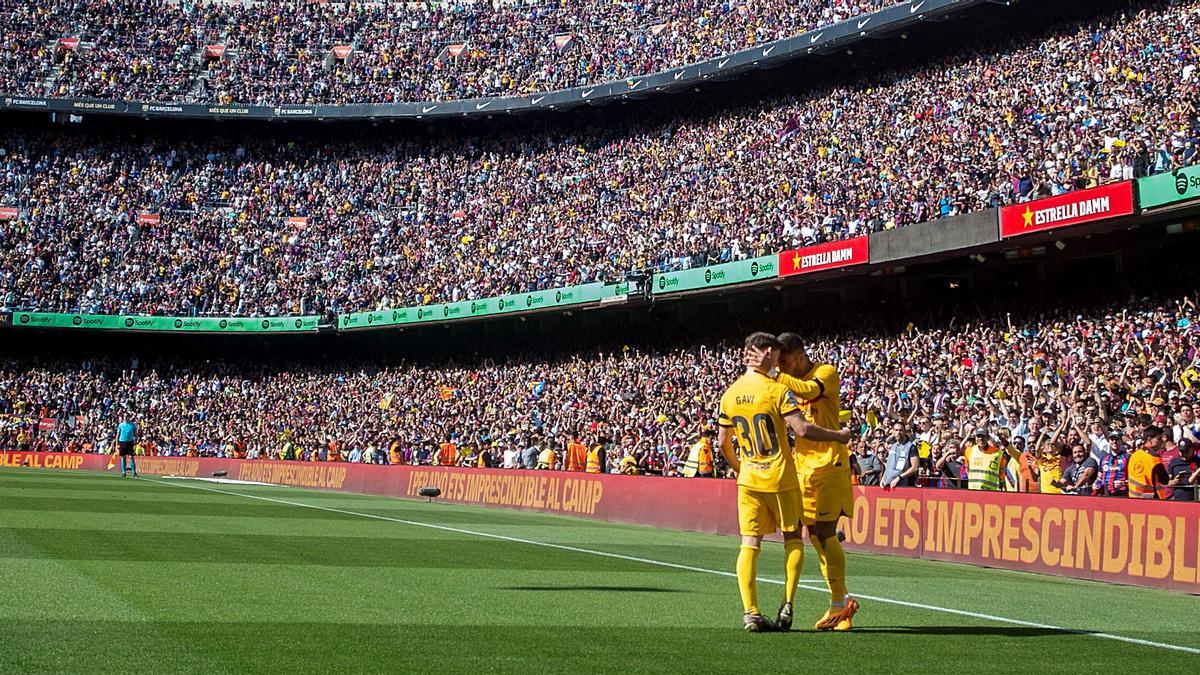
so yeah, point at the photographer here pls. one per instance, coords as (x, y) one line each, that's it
(903, 462)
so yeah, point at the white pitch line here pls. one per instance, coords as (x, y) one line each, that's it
(701, 570)
(223, 481)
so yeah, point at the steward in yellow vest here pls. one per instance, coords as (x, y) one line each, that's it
(595, 459)
(985, 464)
(1146, 474)
(700, 457)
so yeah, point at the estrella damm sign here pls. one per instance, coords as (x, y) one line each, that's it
(826, 256)
(1072, 208)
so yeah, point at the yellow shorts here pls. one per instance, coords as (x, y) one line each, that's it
(827, 496)
(764, 513)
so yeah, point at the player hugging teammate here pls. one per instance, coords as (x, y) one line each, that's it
(785, 490)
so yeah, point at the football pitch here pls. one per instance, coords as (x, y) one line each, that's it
(158, 575)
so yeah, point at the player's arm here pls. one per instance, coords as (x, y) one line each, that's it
(725, 438)
(789, 410)
(808, 431)
(805, 389)
(725, 442)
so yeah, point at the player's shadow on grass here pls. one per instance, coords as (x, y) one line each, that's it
(1005, 631)
(609, 589)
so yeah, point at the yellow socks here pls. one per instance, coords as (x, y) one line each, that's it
(833, 568)
(747, 573)
(793, 562)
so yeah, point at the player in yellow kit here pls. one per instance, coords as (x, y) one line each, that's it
(824, 470)
(756, 412)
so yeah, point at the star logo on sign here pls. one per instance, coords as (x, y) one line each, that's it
(796, 261)
(1028, 216)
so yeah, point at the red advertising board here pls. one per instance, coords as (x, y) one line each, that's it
(148, 219)
(342, 51)
(8, 213)
(627, 499)
(299, 222)
(1128, 541)
(68, 43)
(1073, 208)
(51, 460)
(824, 257)
(1137, 542)
(214, 51)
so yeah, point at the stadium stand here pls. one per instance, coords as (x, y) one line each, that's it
(360, 322)
(271, 53)
(235, 223)
(455, 216)
(1083, 365)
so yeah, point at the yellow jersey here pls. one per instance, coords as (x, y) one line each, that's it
(820, 399)
(629, 466)
(1048, 472)
(754, 407)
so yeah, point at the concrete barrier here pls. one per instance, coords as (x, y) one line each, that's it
(931, 238)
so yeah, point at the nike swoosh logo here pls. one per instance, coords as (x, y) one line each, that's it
(587, 92)
(537, 100)
(679, 74)
(428, 108)
(815, 37)
(913, 8)
(768, 50)
(635, 84)
(864, 22)
(481, 106)
(722, 62)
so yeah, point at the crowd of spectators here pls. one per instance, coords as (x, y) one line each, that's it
(456, 214)
(282, 51)
(1068, 386)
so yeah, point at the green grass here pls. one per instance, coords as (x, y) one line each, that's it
(103, 574)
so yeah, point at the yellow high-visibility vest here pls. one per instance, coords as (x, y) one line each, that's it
(983, 469)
